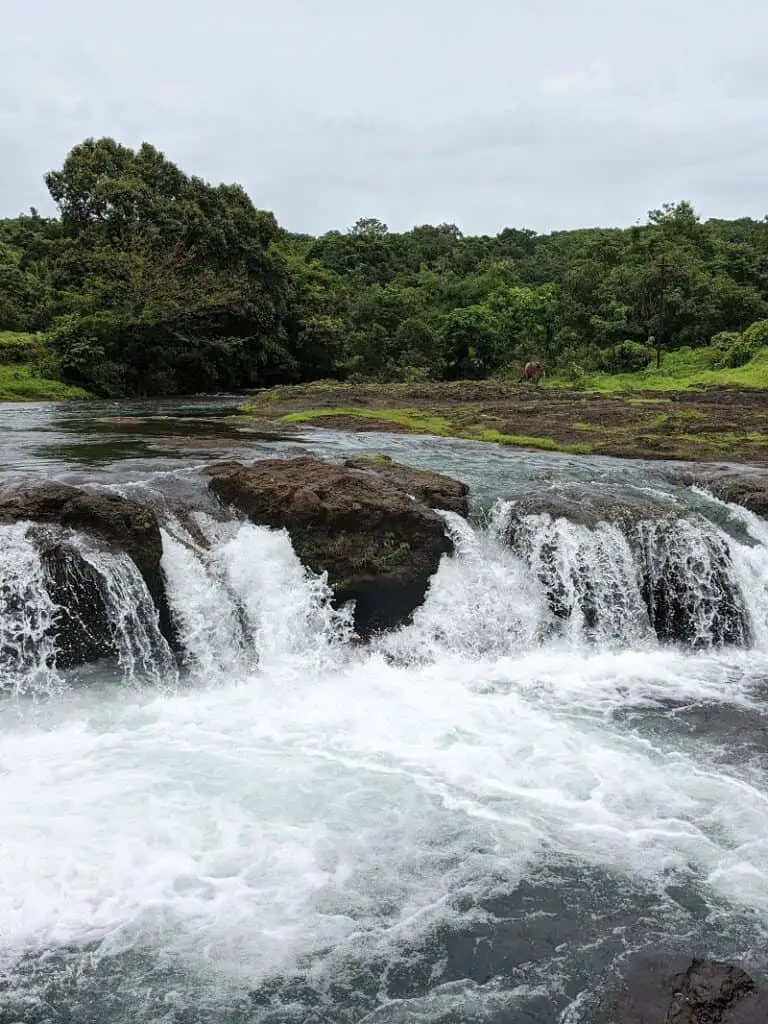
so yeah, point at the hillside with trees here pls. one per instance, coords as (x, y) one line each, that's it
(152, 282)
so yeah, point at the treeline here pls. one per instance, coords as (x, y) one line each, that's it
(153, 282)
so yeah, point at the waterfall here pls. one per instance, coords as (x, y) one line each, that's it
(675, 578)
(690, 584)
(27, 613)
(60, 592)
(247, 600)
(591, 577)
(139, 646)
(242, 601)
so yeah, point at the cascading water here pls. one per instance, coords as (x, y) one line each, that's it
(34, 570)
(27, 649)
(591, 577)
(477, 817)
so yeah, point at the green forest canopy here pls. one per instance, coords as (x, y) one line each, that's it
(150, 281)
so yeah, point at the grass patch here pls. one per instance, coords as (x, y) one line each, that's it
(420, 422)
(681, 370)
(20, 383)
(412, 419)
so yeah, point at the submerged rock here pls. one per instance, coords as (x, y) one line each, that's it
(117, 524)
(697, 992)
(379, 545)
(433, 489)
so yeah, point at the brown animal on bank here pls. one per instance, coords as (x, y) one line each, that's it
(532, 372)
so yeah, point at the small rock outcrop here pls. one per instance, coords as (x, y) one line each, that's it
(115, 522)
(433, 489)
(682, 565)
(747, 489)
(587, 507)
(697, 992)
(378, 544)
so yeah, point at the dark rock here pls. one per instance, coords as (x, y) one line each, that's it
(696, 992)
(433, 489)
(747, 489)
(378, 545)
(81, 625)
(587, 507)
(124, 525)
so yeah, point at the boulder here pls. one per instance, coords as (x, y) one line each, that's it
(379, 545)
(693, 992)
(433, 489)
(121, 524)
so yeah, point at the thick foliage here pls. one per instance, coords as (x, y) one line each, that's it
(151, 281)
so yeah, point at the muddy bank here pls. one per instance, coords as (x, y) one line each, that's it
(717, 424)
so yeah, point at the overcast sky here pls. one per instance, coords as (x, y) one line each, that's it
(538, 113)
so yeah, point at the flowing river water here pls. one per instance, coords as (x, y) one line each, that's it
(482, 817)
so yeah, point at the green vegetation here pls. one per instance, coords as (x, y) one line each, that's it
(149, 281)
(19, 383)
(418, 422)
(686, 368)
(411, 419)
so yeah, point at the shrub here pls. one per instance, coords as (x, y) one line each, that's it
(756, 335)
(16, 347)
(734, 350)
(626, 357)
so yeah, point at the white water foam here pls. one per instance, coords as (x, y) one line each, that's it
(324, 801)
(27, 651)
(591, 577)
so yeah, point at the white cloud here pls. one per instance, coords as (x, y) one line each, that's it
(551, 114)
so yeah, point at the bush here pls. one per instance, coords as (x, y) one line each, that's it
(19, 348)
(722, 342)
(626, 357)
(756, 335)
(734, 350)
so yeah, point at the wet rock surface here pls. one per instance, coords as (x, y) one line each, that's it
(747, 489)
(433, 489)
(589, 508)
(123, 525)
(697, 992)
(377, 543)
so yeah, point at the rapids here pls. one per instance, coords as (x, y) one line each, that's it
(480, 817)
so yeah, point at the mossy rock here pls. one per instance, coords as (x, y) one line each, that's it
(378, 544)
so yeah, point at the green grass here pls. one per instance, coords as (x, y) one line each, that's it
(19, 383)
(424, 423)
(687, 368)
(412, 419)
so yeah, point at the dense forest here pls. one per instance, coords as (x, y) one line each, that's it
(153, 282)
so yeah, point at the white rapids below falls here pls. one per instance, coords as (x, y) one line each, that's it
(248, 837)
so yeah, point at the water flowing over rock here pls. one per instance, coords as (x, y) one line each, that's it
(629, 562)
(747, 489)
(589, 507)
(699, 992)
(379, 545)
(99, 565)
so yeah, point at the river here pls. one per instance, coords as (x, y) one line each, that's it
(474, 819)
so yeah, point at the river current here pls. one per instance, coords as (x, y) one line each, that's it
(477, 818)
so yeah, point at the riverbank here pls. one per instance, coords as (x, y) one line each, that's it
(714, 424)
(20, 383)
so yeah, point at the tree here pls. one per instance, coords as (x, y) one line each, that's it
(473, 343)
(173, 280)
